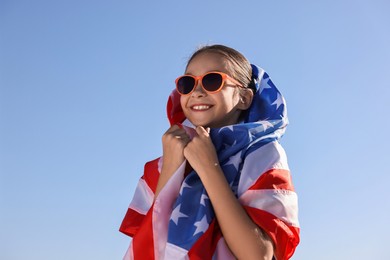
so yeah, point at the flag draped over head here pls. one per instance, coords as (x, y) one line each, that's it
(180, 223)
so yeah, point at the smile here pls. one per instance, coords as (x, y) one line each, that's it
(200, 107)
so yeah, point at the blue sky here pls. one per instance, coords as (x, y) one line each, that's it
(83, 88)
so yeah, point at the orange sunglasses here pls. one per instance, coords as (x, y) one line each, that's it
(211, 82)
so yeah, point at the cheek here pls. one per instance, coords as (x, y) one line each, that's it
(236, 96)
(231, 98)
(183, 101)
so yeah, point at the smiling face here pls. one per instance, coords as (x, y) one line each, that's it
(211, 110)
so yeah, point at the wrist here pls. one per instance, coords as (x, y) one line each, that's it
(170, 166)
(209, 170)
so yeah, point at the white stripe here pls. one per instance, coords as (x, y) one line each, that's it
(175, 252)
(162, 210)
(159, 164)
(129, 253)
(143, 198)
(269, 156)
(222, 252)
(281, 203)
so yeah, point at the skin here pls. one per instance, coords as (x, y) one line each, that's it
(222, 108)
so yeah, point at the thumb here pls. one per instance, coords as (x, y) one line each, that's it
(201, 131)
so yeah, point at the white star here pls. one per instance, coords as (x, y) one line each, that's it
(203, 198)
(235, 160)
(266, 124)
(201, 226)
(230, 127)
(184, 185)
(176, 214)
(278, 101)
(264, 85)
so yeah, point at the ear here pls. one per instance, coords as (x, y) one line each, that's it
(246, 97)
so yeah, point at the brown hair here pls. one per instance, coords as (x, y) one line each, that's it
(238, 66)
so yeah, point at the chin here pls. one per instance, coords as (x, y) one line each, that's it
(198, 121)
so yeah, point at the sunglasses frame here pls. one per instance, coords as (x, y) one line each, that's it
(197, 78)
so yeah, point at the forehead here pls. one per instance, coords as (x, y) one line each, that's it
(206, 62)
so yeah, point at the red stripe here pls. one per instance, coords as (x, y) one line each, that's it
(151, 174)
(131, 222)
(274, 179)
(284, 236)
(205, 246)
(143, 245)
(140, 226)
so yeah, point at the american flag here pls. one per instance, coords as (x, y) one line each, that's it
(180, 223)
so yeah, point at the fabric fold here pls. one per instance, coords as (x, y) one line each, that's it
(255, 166)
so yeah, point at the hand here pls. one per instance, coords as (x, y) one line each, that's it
(174, 140)
(200, 152)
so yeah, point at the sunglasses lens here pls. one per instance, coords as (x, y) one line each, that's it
(212, 82)
(185, 85)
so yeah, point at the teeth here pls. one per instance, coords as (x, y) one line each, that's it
(201, 107)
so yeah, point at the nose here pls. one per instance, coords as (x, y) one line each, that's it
(198, 91)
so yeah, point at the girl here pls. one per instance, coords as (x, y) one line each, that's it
(222, 189)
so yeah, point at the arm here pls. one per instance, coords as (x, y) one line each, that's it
(253, 243)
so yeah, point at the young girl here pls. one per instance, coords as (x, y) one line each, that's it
(222, 189)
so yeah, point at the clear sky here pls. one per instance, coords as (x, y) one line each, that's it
(83, 88)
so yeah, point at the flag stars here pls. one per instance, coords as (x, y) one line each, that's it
(235, 160)
(176, 214)
(201, 226)
(203, 199)
(226, 130)
(264, 85)
(278, 101)
(184, 185)
(266, 124)
(250, 136)
(230, 127)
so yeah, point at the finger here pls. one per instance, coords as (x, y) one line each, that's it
(175, 134)
(183, 139)
(176, 131)
(172, 129)
(176, 127)
(201, 131)
(183, 136)
(186, 140)
(182, 133)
